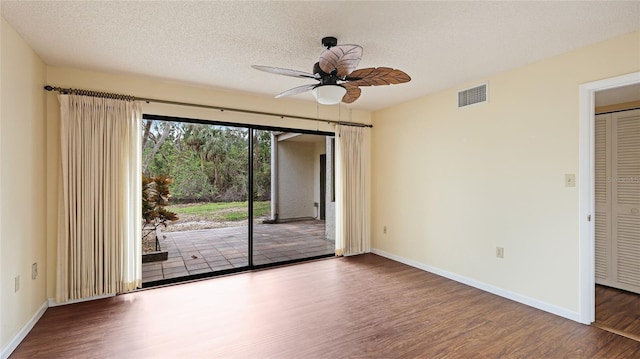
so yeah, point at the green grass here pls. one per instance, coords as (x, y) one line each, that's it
(225, 211)
(235, 216)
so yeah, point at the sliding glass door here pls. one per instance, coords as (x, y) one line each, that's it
(290, 175)
(236, 197)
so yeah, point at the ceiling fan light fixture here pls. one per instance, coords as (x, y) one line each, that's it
(329, 94)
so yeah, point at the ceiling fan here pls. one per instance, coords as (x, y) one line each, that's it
(337, 75)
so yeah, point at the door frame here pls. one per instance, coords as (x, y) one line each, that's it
(586, 190)
(322, 210)
(250, 195)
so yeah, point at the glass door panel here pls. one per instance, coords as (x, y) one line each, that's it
(294, 215)
(206, 169)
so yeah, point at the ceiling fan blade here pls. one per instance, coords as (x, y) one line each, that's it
(285, 72)
(343, 58)
(376, 76)
(353, 92)
(297, 90)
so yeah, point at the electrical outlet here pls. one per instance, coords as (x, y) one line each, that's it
(500, 252)
(17, 283)
(34, 270)
(384, 229)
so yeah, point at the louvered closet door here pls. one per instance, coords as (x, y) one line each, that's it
(602, 200)
(625, 197)
(617, 200)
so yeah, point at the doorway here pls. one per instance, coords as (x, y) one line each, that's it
(586, 229)
(323, 187)
(220, 184)
(617, 210)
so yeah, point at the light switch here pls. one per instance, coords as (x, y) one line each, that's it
(569, 180)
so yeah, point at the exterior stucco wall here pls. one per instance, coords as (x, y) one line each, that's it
(330, 211)
(295, 180)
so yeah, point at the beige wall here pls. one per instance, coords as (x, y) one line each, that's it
(452, 184)
(159, 89)
(22, 184)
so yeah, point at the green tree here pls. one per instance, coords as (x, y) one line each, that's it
(262, 165)
(154, 135)
(207, 162)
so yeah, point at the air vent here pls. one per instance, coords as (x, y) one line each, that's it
(472, 96)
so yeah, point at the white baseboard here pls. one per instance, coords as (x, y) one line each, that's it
(550, 308)
(13, 344)
(53, 303)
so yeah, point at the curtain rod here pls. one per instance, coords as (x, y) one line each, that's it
(67, 91)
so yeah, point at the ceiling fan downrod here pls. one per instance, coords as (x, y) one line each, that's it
(329, 42)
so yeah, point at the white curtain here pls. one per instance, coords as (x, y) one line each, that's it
(352, 218)
(99, 217)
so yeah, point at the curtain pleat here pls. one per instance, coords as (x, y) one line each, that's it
(352, 221)
(99, 221)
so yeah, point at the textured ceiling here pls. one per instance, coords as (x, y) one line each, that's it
(439, 44)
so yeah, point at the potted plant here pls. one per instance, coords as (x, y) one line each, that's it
(155, 198)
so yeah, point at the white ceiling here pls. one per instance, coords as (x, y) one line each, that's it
(213, 43)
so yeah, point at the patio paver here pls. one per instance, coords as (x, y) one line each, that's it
(210, 250)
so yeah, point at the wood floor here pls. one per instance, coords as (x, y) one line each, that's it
(357, 307)
(618, 310)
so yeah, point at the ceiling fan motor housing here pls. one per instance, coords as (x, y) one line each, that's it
(323, 77)
(330, 79)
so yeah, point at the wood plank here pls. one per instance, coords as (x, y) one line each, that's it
(618, 310)
(364, 306)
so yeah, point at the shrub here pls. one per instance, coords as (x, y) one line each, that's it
(155, 198)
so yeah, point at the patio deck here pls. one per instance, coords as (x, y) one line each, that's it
(211, 250)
